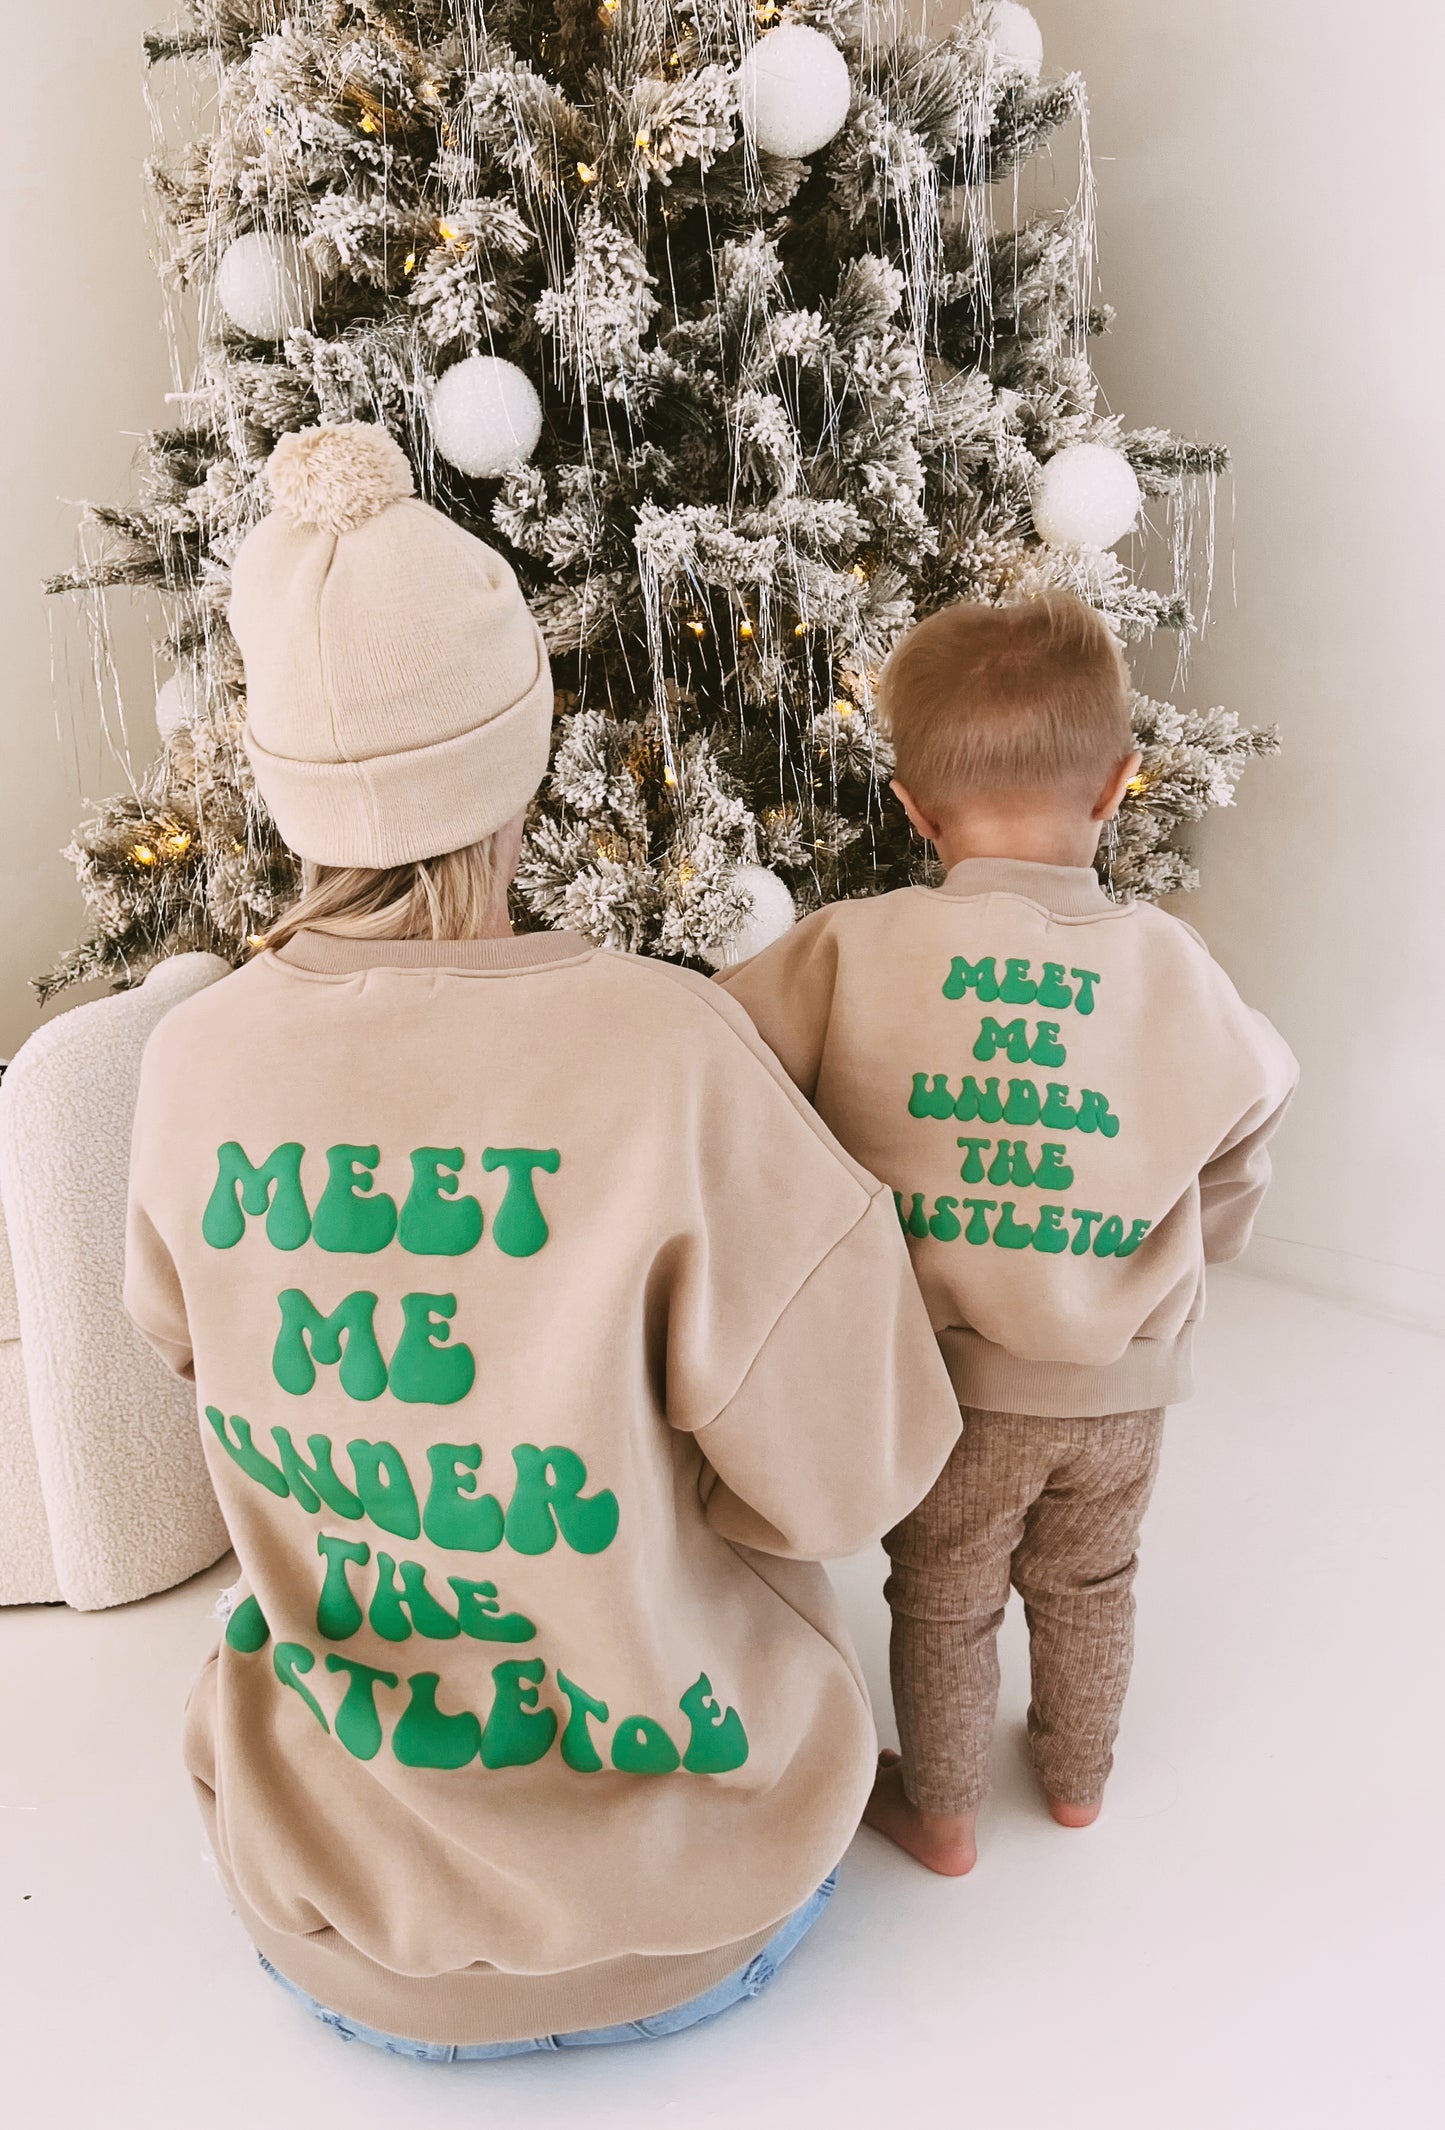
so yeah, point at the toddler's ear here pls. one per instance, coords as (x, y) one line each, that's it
(923, 824)
(1111, 798)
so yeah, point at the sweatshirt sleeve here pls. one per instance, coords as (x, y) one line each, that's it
(846, 1416)
(797, 1348)
(153, 1297)
(787, 993)
(1233, 1181)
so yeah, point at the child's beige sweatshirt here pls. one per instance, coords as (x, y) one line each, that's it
(543, 1341)
(1071, 1103)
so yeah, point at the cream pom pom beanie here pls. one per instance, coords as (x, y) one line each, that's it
(398, 696)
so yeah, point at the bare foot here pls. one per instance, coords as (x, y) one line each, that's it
(1069, 1815)
(941, 1840)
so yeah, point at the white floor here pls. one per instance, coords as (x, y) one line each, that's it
(1249, 1940)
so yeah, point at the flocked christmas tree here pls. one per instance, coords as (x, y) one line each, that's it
(703, 312)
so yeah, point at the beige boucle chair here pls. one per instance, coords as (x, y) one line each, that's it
(103, 1484)
(27, 1566)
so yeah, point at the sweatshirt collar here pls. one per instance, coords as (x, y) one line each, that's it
(1066, 890)
(328, 954)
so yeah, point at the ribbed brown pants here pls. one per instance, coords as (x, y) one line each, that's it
(1053, 1507)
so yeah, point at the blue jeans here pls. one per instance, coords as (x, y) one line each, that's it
(749, 1981)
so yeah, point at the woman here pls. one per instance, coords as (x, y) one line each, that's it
(544, 1340)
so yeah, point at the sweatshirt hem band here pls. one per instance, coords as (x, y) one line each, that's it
(1149, 1372)
(478, 2005)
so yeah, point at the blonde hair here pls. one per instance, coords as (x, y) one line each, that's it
(458, 895)
(993, 699)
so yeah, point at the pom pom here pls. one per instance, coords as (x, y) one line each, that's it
(1085, 496)
(337, 477)
(180, 702)
(266, 285)
(1017, 40)
(772, 914)
(485, 416)
(793, 91)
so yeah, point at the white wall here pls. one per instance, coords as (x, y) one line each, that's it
(1271, 188)
(82, 369)
(1271, 209)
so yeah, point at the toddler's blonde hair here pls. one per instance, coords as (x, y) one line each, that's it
(995, 699)
(458, 895)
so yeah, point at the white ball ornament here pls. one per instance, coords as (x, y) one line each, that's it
(485, 416)
(1018, 42)
(772, 913)
(179, 702)
(793, 91)
(1085, 496)
(266, 285)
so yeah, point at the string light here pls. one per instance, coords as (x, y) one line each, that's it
(644, 140)
(367, 123)
(698, 625)
(408, 264)
(444, 229)
(801, 629)
(745, 630)
(842, 707)
(1137, 785)
(142, 854)
(668, 777)
(587, 174)
(255, 941)
(859, 573)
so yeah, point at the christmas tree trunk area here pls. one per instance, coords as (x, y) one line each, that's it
(714, 318)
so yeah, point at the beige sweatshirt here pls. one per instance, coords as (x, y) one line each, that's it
(543, 1341)
(1071, 1103)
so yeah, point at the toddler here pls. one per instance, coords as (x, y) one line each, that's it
(1073, 1107)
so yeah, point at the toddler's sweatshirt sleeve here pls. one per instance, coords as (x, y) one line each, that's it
(800, 1354)
(787, 993)
(1233, 1181)
(153, 1297)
